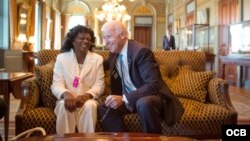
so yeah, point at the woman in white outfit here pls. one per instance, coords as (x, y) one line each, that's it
(78, 80)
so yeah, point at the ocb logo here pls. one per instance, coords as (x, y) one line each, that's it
(236, 132)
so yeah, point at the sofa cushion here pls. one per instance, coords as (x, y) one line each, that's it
(170, 79)
(44, 76)
(165, 73)
(190, 84)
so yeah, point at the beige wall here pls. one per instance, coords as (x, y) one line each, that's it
(161, 26)
(246, 10)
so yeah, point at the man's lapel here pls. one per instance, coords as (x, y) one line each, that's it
(129, 55)
(113, 69)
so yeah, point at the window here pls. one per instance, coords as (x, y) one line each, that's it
(38, 30)
(239, 36)
(57, 31)
(76, 20)
(4, 24)
(146, 20)
(190, 7)
(170, 18)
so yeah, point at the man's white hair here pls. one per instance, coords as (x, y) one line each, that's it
(117, 26)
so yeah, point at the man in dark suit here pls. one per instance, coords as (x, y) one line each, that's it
(136, 85)
(168, 41)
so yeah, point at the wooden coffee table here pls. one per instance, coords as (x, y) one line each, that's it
(106, 136)
(10, 82)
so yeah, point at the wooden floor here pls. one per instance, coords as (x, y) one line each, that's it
(240, 99)
(240, 91)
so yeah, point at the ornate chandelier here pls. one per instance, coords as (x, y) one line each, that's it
(112, 10)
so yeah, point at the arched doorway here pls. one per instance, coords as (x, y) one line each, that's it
(75, 12)
(144, 23)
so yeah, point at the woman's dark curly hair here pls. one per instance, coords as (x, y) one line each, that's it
(71, 35)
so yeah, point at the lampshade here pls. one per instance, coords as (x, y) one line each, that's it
(31, 39)
(22, 37)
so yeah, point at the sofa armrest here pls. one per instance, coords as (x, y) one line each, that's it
(30, 96)
(30, 100)
(218, 93)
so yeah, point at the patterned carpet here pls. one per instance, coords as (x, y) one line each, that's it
(240, 101)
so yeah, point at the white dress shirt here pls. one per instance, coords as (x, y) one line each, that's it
(124, 72)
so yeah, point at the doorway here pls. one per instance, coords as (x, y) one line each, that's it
(227, 15)
(143, 35)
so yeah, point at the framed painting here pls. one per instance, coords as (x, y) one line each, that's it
(23, 19)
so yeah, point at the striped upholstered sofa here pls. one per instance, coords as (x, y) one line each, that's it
(205, 111)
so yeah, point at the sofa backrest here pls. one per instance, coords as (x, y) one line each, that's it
(44, 56)
(170, 59)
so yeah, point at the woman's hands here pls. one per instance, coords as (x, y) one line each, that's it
(69, 101)
(81, 99)
(72, 102)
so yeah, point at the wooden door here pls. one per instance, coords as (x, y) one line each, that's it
(143, 34)
(227, 16)
(190, 19)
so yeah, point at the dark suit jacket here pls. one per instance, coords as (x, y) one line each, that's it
(145, 75)
(168, 44)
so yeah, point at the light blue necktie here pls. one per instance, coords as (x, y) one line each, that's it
(125, 89)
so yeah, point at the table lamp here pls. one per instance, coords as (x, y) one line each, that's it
(31, 42)
(23, 40)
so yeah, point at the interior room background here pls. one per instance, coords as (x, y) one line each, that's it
(201, 25)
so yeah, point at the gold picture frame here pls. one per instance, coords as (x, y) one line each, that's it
(23, 19)
(177, 25)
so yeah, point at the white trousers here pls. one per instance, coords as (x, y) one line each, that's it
(83, 118)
